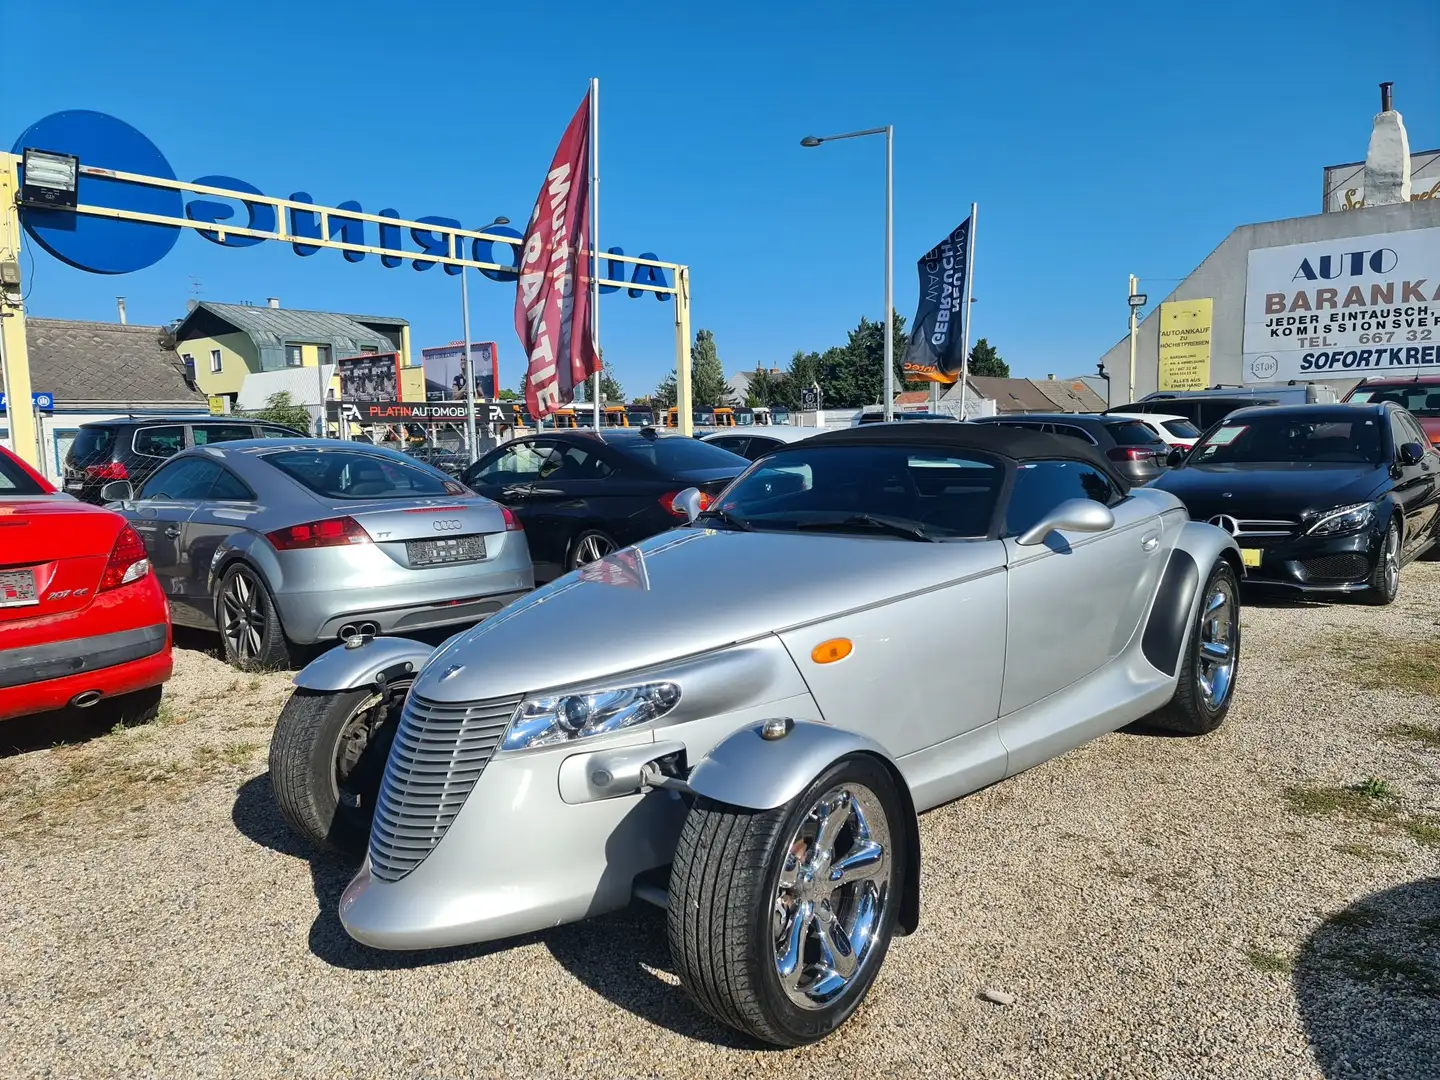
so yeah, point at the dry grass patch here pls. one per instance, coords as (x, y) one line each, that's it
(1386, 663)
(1373, 800)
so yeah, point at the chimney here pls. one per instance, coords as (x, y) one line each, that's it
(1387, 163)
(1050, 378)
(273, 301)
(191, 304)
(120, 307)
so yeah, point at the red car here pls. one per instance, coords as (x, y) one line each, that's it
(83, 621)
(1417, 394)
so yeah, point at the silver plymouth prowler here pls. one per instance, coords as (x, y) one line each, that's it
(739, 719)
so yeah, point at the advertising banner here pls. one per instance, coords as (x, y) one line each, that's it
(937, 340)
(418, 412)
(552, 295)
(1185, 344)
(442, 365)
(1343, 309)
(370, 378)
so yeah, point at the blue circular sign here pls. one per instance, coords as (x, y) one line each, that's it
(96, 244)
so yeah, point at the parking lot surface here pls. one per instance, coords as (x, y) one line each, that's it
(1260, 902)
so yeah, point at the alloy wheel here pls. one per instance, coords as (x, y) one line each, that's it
(830, 900)
(357, 736)
(592, 547)
(1391, 556)
(244, 617)
(1218, 639)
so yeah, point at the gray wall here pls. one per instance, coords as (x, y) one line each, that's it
(1222, 278)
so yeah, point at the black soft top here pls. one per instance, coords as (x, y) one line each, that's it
(1018, 444)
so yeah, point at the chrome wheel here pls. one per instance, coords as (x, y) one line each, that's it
(592, 546)
(830, 901)
(1219, 639)
(1391, 557)
(243, 617)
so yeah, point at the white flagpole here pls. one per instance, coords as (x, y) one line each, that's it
(599, 263)
(965, 346)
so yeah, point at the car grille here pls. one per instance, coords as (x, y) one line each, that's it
(1348, 566)
(1256, 532)
(439, 752)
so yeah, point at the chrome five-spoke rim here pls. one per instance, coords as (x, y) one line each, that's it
(593, 547)
(244, 617)
(831, 897)
(1218, 639)
(1392, 559)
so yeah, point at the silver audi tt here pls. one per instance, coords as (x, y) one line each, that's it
(739, 719)
(278, 542)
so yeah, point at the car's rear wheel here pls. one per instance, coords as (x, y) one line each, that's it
(249, 624)
(327, 759)
(590, 546)
(1385, 579)
(780, 919)
(1211, 665)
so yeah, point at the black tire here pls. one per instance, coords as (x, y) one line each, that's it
(1196, 710)
(1385, 578)
(249, 625)
(327, 758)
(134, 709)
(726, 912)
(584, 548)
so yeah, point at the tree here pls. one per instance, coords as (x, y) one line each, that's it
(666, 393)
(761, 387)
(984, 360)
(610, 388)
(511, 395)
(707, 376)
(280, 408)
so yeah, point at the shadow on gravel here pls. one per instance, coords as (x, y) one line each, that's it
(26, 733)
(1368, 985)
(620, 957)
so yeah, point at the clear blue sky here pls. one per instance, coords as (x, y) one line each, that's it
(1098, 139)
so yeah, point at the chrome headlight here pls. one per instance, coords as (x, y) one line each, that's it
(558, 718)
(1342, 520)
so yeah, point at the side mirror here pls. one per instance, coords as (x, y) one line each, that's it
(1411, 453)
(1073, 515)
(688, 503)
(1175, 457)
(117, 491)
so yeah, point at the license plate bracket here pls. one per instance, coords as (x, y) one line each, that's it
(17, 588)
(444, 551)
(1250, 556)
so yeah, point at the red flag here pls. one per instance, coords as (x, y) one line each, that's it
(552, 298)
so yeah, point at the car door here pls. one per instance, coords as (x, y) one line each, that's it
(1416, 485)
(226, 509)
(159, 513)
(1076, 599)
(510, 475)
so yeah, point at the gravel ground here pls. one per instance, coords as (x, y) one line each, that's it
(1159, 907)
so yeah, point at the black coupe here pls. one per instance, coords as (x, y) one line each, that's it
(1322, 498)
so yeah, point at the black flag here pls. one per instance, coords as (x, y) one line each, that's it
(937, 342)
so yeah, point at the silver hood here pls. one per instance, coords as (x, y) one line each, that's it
(684, 592)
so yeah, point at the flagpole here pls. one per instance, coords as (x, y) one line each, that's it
(597, 266)
(965, 344)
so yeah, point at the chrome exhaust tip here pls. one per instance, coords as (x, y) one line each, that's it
(85, 699)
(368, 629)
(347, 632)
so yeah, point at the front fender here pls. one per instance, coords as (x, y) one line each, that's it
(349, 668)
(1197, 548)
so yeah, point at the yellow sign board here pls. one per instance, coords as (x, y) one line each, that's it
(1185, 344)
(217, 405)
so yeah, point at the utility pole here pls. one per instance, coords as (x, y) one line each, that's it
(1134, 311)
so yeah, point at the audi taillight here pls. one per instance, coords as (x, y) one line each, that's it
(112, 470)
(127, 561)
(668, 502)
(332, 532)
(512, 523)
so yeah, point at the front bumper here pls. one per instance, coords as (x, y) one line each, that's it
(1323, 564)
(41, 678)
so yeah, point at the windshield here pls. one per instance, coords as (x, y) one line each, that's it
(349, 474)
(1181, 429)
(1288, 439)
(677, 454)
(1419, 398)
(943, 494)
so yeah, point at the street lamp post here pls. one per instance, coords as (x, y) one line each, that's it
(889, 132)
(466, 366)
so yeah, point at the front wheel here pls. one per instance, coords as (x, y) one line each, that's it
(1212, 659)
(1385, 580)
(327, 758)
(780, 919)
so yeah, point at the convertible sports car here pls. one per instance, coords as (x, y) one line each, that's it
(739, 719)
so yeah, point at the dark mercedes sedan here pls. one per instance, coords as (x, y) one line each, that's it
(582, 494)
(1321, 498)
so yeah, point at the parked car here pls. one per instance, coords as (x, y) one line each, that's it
(583, 494)
(751, 701)
(82, 619)
(1173, 431)
(1419, 395)
(1205, 408)
(876, 415)
(753, 443)
(283, 543)
(1321, 498)
(132, 449)
(1139, 453)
